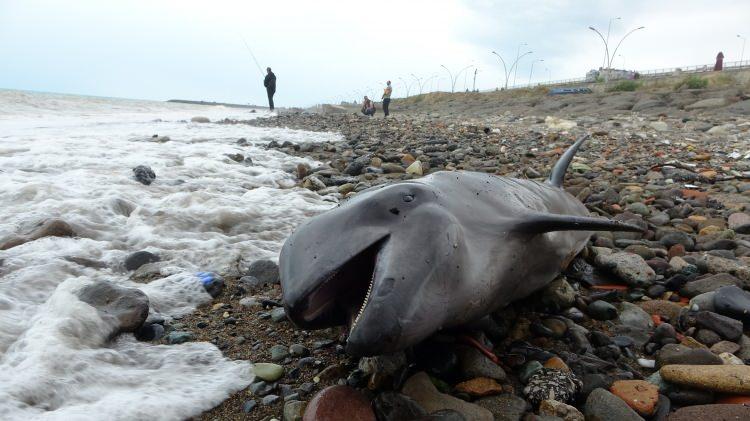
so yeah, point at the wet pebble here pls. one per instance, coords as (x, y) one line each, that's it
(602, 310)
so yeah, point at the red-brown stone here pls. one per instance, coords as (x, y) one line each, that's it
(676, 250)
(339, 403)
(698, 195)
(640, 395)
(480, 386)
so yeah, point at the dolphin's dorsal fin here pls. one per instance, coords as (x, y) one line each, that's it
(538, 223)
(557, 175)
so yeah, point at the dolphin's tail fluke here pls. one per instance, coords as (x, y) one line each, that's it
(541, 223)
(558, 171)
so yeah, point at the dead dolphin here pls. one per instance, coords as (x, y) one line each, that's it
(399, 262)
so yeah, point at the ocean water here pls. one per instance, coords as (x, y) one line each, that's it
(71, 157)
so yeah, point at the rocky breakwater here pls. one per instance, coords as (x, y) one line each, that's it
(640, 326)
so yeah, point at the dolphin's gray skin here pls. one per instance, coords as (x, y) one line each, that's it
(399, 262)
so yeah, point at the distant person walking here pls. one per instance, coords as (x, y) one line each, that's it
(387, 97)
(719, 62)
(270, 83)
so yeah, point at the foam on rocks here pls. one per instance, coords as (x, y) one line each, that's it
(72, 214)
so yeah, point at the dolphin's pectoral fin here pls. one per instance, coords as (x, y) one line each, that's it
(539, 223)
(557, 175)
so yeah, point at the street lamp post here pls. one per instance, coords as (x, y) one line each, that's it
(450, 76)
(532, 68)
(466, 77)
(518, 51)
(609, 28)
(606, 47)
(505, 69)
(515, 65)
(454, 79)
(742, 55)
(419, 82)
(429, 79)
(614, 53)
(474, 84)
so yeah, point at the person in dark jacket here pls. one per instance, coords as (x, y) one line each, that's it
(368, 108)
(270, 83)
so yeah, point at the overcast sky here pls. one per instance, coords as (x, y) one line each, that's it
(327, 50)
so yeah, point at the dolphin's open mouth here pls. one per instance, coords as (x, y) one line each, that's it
(341, 298)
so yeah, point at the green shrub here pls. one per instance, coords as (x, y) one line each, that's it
(693, 82)
(696, 82)
(625, 86)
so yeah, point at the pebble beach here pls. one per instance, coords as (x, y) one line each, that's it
(640, 325)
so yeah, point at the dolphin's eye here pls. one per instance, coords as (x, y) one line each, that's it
(408, 197)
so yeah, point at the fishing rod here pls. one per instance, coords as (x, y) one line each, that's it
(260, 69)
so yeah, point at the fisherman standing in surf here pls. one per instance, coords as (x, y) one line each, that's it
(270, 83)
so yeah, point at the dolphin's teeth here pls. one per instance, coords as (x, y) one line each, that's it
(364, 302)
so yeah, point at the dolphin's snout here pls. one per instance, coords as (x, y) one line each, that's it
(378, 333)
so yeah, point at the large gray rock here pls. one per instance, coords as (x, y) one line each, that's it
(680, 354)
(265, 271)
(505, 407)
(392, 406)
(604, 406)
(671, 238)
(473, 363)
(631, 268)
(420, 388)
(140, 258)
(726, 327)
(739, 222)
(633, 316)
(733, 302)
(144, 174)
(645, 104)
(707, 103)
(49, 228)
(716, 264)
(708, 284)
(742, 107)
(125, 309)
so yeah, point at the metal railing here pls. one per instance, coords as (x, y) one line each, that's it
(642, 74)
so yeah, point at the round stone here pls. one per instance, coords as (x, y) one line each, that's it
(339, 403)
(268, 371)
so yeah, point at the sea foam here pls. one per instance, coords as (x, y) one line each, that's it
(70, 157)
